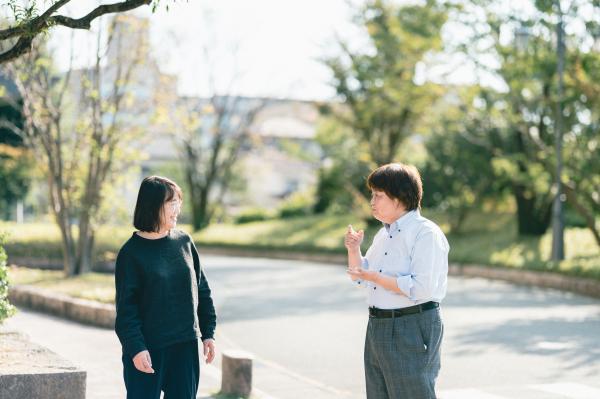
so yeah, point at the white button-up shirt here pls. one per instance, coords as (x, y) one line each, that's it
(414, 250)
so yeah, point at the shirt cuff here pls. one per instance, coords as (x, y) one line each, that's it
(405, 284)
(134, 347)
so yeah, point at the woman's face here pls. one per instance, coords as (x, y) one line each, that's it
(170, 212)
(384, 208)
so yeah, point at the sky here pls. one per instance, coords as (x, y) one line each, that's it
(256, 48)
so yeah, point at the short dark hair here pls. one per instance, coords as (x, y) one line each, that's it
(154, 192)
(399, 181)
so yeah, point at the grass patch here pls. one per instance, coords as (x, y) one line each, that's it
(94, 286)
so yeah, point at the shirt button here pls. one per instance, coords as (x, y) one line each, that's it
(380, 271)
(386, 253)
(374, 288)
(399, 230)
(390, 236)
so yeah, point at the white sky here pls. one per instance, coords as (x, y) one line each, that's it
(279, 43)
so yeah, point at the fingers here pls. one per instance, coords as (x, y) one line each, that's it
(209, 351)
(143, 362)
(144, 366)
(211, 355)
(146, 363)
(149, 363)
(350, 229)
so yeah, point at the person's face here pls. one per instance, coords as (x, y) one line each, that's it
(384, 208)
(170, 212)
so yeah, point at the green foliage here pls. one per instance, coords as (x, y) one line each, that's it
(383, 102)
(23, 12)
(342, 176)
(458, 176)
(518, 125)
(253, 215)
(16, 165)
(6, 309)
(298, 204)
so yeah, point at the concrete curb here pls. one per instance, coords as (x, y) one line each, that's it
(81, 310)
(578, 285)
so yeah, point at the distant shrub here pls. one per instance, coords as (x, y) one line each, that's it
(298, 204)
(6, 309)
(253, 215)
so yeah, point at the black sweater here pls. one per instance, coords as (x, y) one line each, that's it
(162, 295)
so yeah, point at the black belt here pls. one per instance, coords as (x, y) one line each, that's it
(387, 313)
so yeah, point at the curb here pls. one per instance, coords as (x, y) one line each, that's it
(578, 285)
(80, 310)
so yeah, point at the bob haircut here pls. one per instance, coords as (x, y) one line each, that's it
(398, 181)
(154, 192)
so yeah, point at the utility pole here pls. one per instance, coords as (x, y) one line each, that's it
(558, 245)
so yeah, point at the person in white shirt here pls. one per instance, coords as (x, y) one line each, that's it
(405, 272)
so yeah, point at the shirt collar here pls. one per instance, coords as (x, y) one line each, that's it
(403, 220)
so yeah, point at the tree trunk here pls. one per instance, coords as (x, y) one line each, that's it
(533, 213)
(68, 244)
(457, 221)
(85, 245)
(200, 214)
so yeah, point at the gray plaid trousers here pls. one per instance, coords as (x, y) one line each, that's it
(402, 356)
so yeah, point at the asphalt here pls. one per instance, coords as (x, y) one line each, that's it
(305, 324)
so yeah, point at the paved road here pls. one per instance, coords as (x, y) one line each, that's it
(305, 323)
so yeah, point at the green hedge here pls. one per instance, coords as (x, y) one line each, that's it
(6, 309)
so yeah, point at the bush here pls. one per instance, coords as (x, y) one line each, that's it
(298, 204)
(253, 215)
(6, 309)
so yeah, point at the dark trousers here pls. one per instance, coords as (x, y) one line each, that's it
(402, 356)
(176, 373)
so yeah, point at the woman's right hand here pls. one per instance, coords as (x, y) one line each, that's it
(143, 363)
(353, 239)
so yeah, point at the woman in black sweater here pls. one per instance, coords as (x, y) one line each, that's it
(163, 300)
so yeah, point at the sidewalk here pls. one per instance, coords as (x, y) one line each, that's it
(95, 350)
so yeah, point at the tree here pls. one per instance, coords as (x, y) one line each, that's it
(384, 102)
(341, 186)
(383, 97)
(211, 136)
(80, 153)
(18, 38)
(458, 175)
(520, 121)
(16, 162)
(211, 133)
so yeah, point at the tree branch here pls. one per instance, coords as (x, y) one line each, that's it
(26, 32)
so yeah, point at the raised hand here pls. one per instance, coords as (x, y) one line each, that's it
(353, 239)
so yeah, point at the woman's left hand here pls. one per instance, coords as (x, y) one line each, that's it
(363, 274)
(209, 350)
